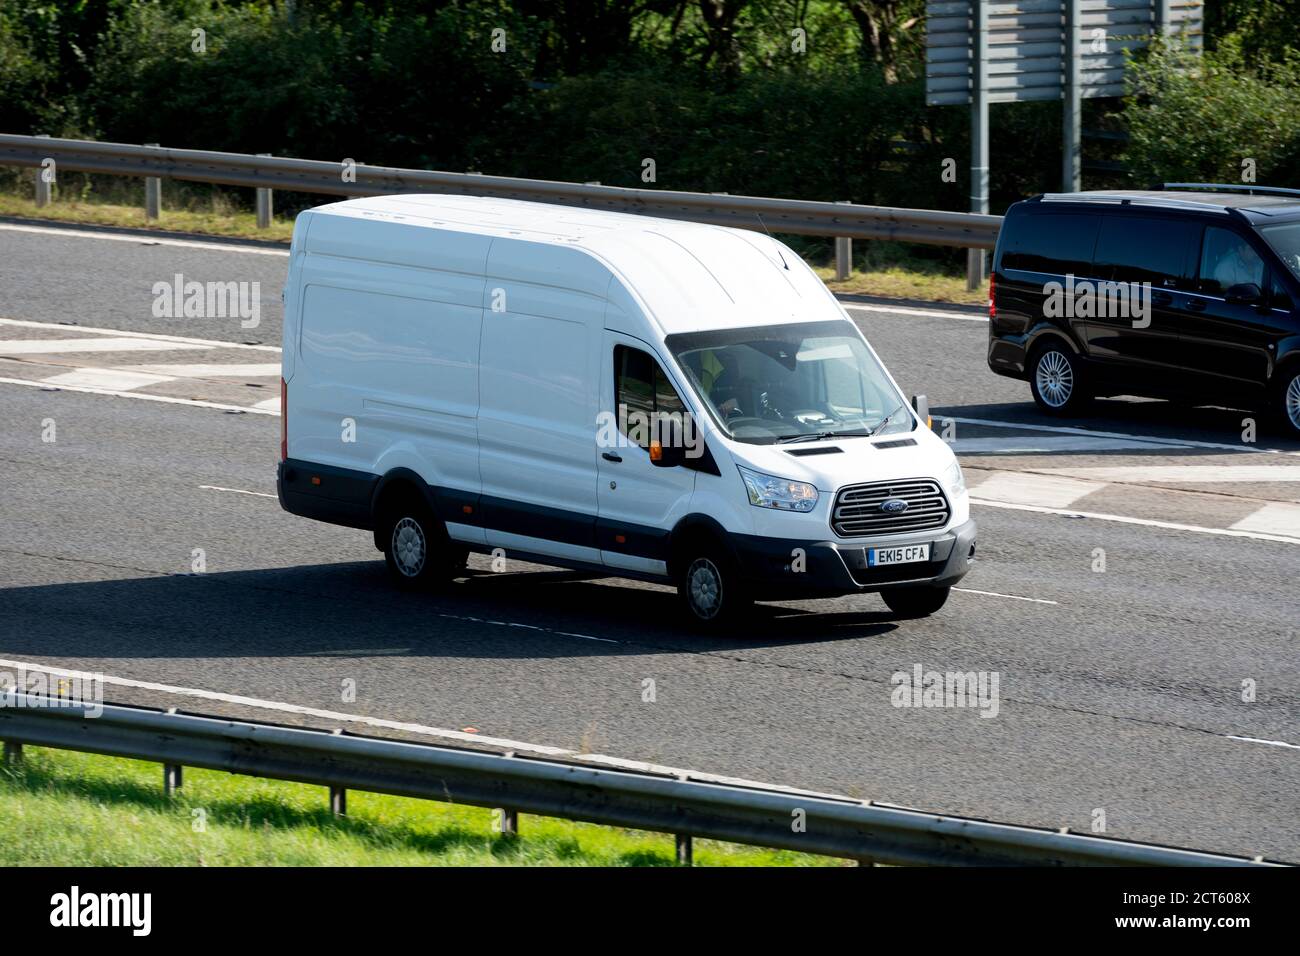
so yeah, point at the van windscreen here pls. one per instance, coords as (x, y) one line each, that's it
(800, 381)
(1285, 241)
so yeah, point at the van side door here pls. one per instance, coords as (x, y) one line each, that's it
(1226, 343)
(639, 501)
(537, 420)
(1143, 266)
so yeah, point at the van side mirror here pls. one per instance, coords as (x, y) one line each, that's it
(921, 405)
(666, 456)
(668, 446)
(1243, 293)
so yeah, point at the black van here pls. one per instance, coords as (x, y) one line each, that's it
(1189, 294)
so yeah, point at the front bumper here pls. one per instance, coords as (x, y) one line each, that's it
(784, 568)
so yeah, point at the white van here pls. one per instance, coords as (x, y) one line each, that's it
(647, 398)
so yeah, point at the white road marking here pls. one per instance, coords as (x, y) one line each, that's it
(1044, 445)
(1260, 740)
(420, 729)
(149, 336)
(263, 370)
(271, 405)
(1212, 474)
(1145, 522)
(238, 491)
(55, 346)
(927, 313)
(141, 397)
(1010, 597)
(1149, 439)
(105, 378)
(1049, 491)
(1277, 517)
(144, 240)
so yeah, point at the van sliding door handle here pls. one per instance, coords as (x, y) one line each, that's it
(610, 456)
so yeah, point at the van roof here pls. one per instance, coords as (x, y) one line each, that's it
(689, 275)
(1262, 205)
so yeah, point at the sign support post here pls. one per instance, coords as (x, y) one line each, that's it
(979, 136)
(1072, 118)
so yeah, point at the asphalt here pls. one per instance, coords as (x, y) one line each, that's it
(1120, 690)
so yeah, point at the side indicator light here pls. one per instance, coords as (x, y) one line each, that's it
(467, 509)
(620, 539)
(315, 480)
(656, 451)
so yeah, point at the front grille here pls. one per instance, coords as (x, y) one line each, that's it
(857, 508)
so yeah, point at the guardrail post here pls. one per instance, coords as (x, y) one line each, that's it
(263, 205)
(509, 822)
(171, 779)
(13, 753)
(152, 194)
(685, 848)
(338, 801)
(843, 252)
(42, 187)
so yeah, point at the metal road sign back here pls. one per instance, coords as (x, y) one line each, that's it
(1029, 43)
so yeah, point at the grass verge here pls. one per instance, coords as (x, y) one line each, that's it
(60, 808)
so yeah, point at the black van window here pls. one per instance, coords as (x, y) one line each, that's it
(1057, 243)
(1134, 249)
(1278, 297)
(1227, 259)
(641, 390)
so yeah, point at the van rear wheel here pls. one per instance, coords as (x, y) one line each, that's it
(416, 548)
(917, 601)
(1056, 380)
(711, 589)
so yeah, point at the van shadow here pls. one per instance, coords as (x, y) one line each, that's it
(351, 610)
(1138, 418)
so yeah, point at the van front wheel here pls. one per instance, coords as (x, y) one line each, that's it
(914, 601)
(416, 550)
(711, 590)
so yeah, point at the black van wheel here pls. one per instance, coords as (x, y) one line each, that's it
(1056, 380)
(1287, 403)
(416, 548)
(917, 601)
(710, 588)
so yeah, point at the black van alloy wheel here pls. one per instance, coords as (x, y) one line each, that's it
(1289, 402)
(1056, 379)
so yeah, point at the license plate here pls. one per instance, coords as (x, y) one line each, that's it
(905, 554)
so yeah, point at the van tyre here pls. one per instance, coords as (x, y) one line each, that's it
(416, 547)
(1056, 380)
(1287, 402)
(711, 590)
(921, 601)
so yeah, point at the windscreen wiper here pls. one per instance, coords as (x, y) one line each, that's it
(887, 419)
(822, 436)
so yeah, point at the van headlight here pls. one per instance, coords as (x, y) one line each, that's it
(768, 491)
(953, 481)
